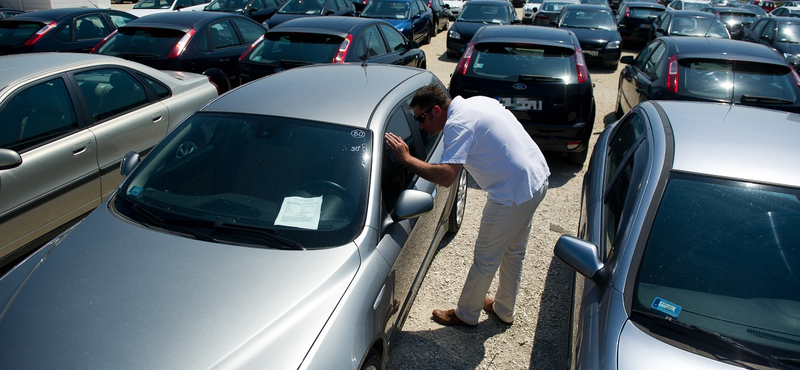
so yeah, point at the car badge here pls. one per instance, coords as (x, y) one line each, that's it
(520, 86)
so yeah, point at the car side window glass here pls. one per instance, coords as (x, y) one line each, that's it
(652, 61)
(251, 32)
(37, 115)
(769, 30)
(110, 91)
(620, 196)
(643, 55)
(626, 136)
(161, 90)
(120, 20)
(395, 40)
(90, 27)
(415, 9)
(340, 5)
(374, 42)
(222, 35)
(394, 176)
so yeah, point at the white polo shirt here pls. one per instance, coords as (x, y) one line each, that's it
(487, 139)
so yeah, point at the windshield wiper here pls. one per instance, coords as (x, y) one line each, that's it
(662, 320)
(159, 222)
(294, 63)
(228, 227)
(539, 78)
(763, 100)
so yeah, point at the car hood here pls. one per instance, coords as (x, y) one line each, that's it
(638, 350)
(593, 36)
(398, 23)
(115, 295)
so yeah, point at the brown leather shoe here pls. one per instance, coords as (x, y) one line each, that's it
(448, 318)
(488, 306)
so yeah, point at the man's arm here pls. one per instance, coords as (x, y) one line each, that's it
(442, 174)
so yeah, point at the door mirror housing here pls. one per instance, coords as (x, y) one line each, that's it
(129, 163)
(9, 159)
(412, 203)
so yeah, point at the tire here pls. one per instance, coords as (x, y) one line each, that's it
(373, 361)
(577, 157)
(459, 204)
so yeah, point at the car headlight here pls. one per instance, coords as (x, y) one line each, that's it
(454, 35)
(613, 44)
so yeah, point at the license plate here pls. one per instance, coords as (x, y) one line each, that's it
(593, 53)
(645, 26)
(520, 103)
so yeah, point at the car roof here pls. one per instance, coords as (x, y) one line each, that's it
(723, 140)
(724, 49)
(179, 20)
(488, 2)
(731, 9)
(643, 5)
(351, 94)
(690, 13)
(55, 14)
(337, 24)
(527, 34)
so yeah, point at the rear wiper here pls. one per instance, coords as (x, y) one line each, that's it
(294, 63)
(662, 320)
(539, 78)
(763, 100)
(268, 234)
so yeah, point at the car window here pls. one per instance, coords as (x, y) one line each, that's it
(120, 20)
(769, 31)
(370, 44)
(90, 27)
(295, 48)
(394, 176)
(650, 68)
(17, 33)
(640, 60)
(737, 81)
(758, 26)
(340, 5)
(110, 91)
(788, 32)
(222, 35)
(250, 31)
(394, 39)
(508, 61)
(627, 135)
(161, 90)
(145, 42)
(37, 115)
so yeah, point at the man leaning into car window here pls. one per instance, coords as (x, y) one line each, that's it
(485, 138)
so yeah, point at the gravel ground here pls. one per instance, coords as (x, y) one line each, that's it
(538, 337)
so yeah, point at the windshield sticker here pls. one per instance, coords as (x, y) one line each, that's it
(358, 134)
(135, 191)
(300, 212)
(666, 307)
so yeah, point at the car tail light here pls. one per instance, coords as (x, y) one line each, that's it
(342, 53)
(99, 44)
(178, 49)
(38, 35)
(627, 12)
(796, 76)
(672, 74)
(580, 66)
(542, 16)
(464, 62)
(219, 92)
(249, 48)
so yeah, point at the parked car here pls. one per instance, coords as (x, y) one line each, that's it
(411, 17)
(310, 8)
(202, 42)
(688, 5)
(540, 75)
(148, 7)
(767, 5)
(360, 4)
(596, 31)
(760, 13)
(441, 14)
(708, 69)
(529, 9)
(305, 41)
(258, 10)
(596, 2)
(680, 199)
(784, 11)
(6, 13)
(779, 33)
(635, 20)
(66, 120)
(474, 15)
(287, 239)
(688, 23)
(455, 7)
(735, 19)
(549, 11)
(64, 29)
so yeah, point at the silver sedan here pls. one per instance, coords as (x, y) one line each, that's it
(270, 233)
(66, 120)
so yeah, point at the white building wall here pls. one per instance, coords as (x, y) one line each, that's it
(29, 5)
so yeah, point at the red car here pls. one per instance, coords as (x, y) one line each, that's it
(764, 4)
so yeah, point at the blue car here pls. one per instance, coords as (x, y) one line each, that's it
(413, 18)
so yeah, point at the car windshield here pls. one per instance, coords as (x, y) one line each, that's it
(724, 256)
(737, 18)
(644, 13)
(789, 32)
(553, 7)
(698, 26)
(588, 19)
(737, 81)
(292, 48)
(694, 6)
(523, 62)
(387, 10)
(483, 14)
(17, 33)
(243, 179)
(226, 6)
(154, 4)
(141, 43)
(309, 7)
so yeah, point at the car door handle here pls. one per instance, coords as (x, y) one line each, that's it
(80, 148)
(157, 117)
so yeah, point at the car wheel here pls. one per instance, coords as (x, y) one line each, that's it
(613, 66)
(577, 157)
(373, 361)
(459, 203)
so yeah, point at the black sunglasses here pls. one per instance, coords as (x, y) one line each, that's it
(421, 117)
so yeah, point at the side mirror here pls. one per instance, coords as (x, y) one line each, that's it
(129, 162)
(580, 255)
(412, 203)
(413, 44)
(516, 21)
(764, 38)
(329, 12)
(416, 16)
(9, 159)
(446, 6)
(628, 59)
(252, 10)
(179, 7)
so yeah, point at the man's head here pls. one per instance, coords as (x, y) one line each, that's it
(430, 105)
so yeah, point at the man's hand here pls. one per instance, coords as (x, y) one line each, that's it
(442, 174)
(398, 146)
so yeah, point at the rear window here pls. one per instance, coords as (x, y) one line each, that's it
(789, 32)
(644, 12)
(736, 18)
(737, 81)
(697, 26)
(523, 62)
(484, 14)
(296, 48)
(132, 43)
(16, 33)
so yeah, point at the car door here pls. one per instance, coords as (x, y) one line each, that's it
(407, 244)
(58, 179)
(768, 34)
(660, 25)
(371, 47)
(219, 48)
(638, 77)
(125, 116)
(399, 47)
(628, 75)
(419, 24)
(752, 33)
(82, 33)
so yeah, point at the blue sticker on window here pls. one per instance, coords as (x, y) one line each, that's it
(135, 191)
(666, 307)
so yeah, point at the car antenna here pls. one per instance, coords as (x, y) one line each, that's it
(366, 56)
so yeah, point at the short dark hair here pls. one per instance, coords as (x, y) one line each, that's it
(430, 95)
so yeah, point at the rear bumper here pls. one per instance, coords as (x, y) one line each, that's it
(560, 137)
